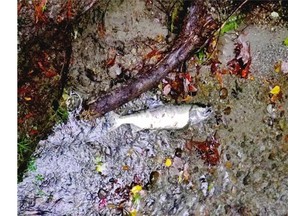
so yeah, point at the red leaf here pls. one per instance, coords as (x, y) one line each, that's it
(33, 132)
(69, 9)
(50, 73)
(207, 150)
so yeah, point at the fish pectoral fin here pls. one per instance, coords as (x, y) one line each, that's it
(135, 128)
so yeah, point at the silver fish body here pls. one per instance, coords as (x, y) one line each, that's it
(165, 117)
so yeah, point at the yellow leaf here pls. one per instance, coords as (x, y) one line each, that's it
(136, 189)
(65, 96)
(125, 167)
(228, 165)
(99, 168)
(168, 162)
(275, 90)
(160, 38)
(133, 213)
(28, 98)
(277, 66)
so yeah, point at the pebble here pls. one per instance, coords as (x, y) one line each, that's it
(223, 93)
(270, 108)
(274, 15)
(227, 110)
(178, 152)
(154, 177)
(102, 194)
(114, 71)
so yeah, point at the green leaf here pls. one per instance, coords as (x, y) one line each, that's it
(285, 42)
(231, 24)
(201, 55)
(39, 177)
(31, 165)
(136, 198)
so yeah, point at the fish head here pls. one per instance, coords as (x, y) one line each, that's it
(198, 114)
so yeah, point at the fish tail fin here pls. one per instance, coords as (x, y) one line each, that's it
(113, 120)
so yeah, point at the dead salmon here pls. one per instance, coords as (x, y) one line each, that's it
(164, 117)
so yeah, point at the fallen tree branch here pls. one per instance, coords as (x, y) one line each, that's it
(198, 25)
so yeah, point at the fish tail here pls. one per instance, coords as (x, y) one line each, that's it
(113, 120)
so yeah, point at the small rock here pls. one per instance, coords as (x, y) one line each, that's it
(223, 93)
(227, 111)
(114, 71)
(102, 194)
(274, 15)
(178, 152)
(154, 177)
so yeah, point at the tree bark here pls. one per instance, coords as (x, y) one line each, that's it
(198, 25)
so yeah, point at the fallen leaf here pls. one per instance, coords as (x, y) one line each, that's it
(125, 167)
(276, 90)
(133, 212)
(28, 98)
(136, 189)
(33, 132)
(285, 42)
(277, 66)
(50, 73)
(240, 65)
(99, 168)
(244, 50)
(207, 150)
(168, 162)
(167, 89)
(231, 24)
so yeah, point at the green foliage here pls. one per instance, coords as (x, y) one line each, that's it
(41, 193)
(39, 177)
(27, 142)
(175, 17)
(136, 198)
(201, 55)
(231, 24)
(31, 165)
(285, 42)
(62, 111)
(24, 147)
(62, 114)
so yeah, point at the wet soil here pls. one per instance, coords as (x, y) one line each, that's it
(84, 168)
